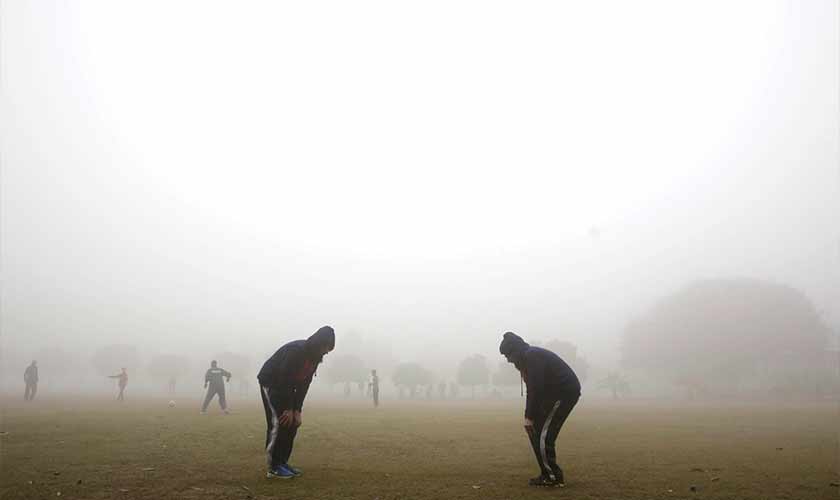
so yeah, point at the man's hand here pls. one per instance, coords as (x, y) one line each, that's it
(529, 425)
(298, 421)
(287, 418)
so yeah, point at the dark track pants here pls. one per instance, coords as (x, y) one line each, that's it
(31, 389)
(544, 433)
(279, 440)
(376, 397)
(211, 393)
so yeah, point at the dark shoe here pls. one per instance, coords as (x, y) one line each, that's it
(294, 470)
(280, 472)
(541, 481)
(558, 478)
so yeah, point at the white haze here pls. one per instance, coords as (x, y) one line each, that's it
(194, 177)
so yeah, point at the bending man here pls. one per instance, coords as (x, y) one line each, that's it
(553, 390)
(284, 381)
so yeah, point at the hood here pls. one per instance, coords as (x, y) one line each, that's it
(512, 346)
(324, 337)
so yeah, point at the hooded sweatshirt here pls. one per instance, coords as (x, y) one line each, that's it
(547, 377)
(289, 371)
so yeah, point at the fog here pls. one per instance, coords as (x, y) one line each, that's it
(199, 177)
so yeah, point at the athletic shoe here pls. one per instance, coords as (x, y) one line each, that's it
(280, 472)
(293, 470)
(543, 481)
(226, 411)
(203, 413)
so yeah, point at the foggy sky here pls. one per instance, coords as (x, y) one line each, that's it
(202, 176)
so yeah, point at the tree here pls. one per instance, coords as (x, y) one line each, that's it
(506, 375)
(472, 371)
(169, 367)
(347, 369)
(616, 384)
(410, 376)
(711, 337)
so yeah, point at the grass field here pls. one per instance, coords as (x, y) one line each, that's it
(419, 450)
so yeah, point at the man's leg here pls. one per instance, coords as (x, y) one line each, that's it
(559, 413)
(222, 399)
(211, 391)
(34, 391)
(376, 398)
(284, 445)
(534, 435)
(120, 395)
(26, 393)
(272, 419)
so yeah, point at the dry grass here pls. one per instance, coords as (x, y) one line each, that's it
(470, 450)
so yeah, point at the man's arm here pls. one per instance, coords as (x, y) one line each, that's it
(289, 365)
(534, 379)
(226, 374)
(300, 393)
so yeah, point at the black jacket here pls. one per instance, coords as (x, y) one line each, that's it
(215, 376)
(290, 370)
(546, 375)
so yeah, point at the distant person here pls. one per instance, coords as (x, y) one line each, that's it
(284, 381)
(442, 390)
(30, 378)
(172, 382)
(214, 383)
(429, 391)
(553, 391)
(373, 387)
(346, 389)
(123, 381)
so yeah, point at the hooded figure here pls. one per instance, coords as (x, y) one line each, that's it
(553, 391)
(284, 381)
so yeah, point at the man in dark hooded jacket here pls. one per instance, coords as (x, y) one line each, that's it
(553, 390)
(284, 381)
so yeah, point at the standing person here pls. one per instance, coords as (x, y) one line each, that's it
(30, 378)
(553, 391)
(123, 381)
(284, 381)
(373, 387)
(213, 378)
(442, 390)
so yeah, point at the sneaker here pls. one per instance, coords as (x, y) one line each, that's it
(280, 472)
(293, 470)
(226, 411)
(543, 481)
(203, 412)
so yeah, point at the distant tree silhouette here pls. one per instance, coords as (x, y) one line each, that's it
(346, 369)
(409, 376)
(506, 375)
(473, 371)
(711, 336)
(615, 383)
